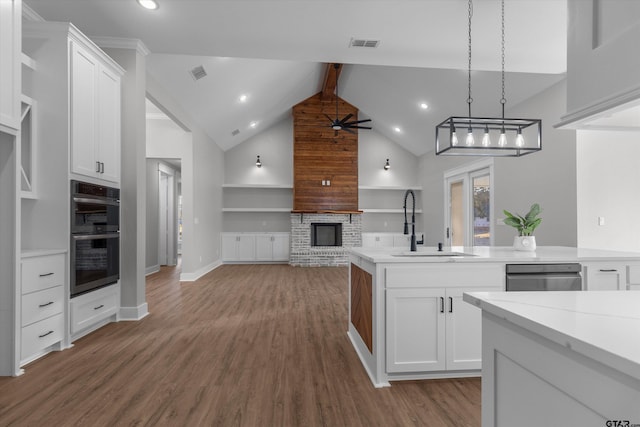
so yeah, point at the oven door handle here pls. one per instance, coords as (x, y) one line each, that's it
(97, 201)
(96, 236)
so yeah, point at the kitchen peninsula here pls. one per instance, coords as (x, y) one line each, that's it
(407, 319)
(567, 358)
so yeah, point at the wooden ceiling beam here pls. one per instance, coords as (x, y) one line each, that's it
(330, 80)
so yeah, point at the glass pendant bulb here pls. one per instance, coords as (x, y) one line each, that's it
(469, 140)
(454, 137)
(502, 141)
(519, 139)
(486, 139)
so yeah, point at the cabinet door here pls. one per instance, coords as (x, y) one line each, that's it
(246, 247)
(229, 247)
(281, 247)
(605, 277)
(84, 68)
(415, 330)
(10, 55)
(464, 330)
(108, 137)
(264, 247)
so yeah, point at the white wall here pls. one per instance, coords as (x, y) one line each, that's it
(547, 177)
(202, 178)
(602, 56)
(275, 148)
(608, 175)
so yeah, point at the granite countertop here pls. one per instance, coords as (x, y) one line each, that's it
(603, 325)
(489, 254)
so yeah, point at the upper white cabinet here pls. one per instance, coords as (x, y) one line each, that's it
(10, 64)
(95, 116)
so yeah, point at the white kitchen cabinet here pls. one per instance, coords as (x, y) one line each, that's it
(432, 329)
(272, 247)
(252, 247)
(94, 309)
(95, 115)
(238, 247)
(10, 64)
(42, 305)
(604, 276)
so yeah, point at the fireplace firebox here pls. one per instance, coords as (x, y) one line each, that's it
(326, 234)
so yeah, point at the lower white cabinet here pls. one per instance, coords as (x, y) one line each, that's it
(600, 276)
(432, 329)
(252, 247)
(272, 247)
(91, 310)
(42, 305)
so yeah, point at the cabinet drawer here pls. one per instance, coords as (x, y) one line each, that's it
(42, 272)
(89, 309)
(42, 334)
(42, 304)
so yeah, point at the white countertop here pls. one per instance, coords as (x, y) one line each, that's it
(489, 254)
(602, 325)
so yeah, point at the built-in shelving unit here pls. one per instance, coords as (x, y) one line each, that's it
(256, 198)
(386, 199)
(28, 140)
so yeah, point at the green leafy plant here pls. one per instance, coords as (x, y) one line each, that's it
(524, 224)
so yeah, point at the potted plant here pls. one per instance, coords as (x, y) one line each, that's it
(525, 241)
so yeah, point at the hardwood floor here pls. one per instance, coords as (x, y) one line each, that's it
(246, 345)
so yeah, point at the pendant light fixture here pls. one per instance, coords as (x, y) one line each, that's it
(515, 137)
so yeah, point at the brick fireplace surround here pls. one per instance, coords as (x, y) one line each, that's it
(302, 254)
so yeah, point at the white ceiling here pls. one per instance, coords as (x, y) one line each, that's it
(273, 51)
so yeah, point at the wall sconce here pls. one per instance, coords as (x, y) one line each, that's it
(387, 166)
(258, 162)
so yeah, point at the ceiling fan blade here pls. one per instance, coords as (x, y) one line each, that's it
(345, 118)
(348, 130)
(329, 117)
(357, 127)
(356, 122)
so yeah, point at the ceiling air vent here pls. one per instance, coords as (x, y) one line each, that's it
(198, 72)
(363, 43)
(235, 132)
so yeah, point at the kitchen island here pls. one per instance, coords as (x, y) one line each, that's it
(560, 358)
(407, 319)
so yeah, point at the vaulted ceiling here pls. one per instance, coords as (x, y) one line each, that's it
(273, 51)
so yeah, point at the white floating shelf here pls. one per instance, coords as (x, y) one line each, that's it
(28, 62)
(256, 186)
(418, 211)
(256, 210)
(368, 187)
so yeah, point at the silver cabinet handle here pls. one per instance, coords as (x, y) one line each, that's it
(610, 270)
(101, 167)
(44, 305)
(98, 167)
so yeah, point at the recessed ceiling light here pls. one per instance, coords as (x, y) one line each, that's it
(397, 129)
(253, 124)
(243, 98)
(424, 105)
(148, 4)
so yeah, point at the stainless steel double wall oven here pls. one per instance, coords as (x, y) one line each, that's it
(95, 236)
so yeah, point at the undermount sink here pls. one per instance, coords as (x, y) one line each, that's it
(431, 254)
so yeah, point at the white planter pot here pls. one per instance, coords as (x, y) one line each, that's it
(524, 243)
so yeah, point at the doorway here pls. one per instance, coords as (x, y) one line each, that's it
(167, 216)
(469, 205)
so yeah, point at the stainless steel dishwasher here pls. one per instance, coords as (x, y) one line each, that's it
(544, 277)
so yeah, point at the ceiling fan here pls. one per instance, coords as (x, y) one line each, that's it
(344, 123)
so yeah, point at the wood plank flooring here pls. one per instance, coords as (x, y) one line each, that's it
(246, 345)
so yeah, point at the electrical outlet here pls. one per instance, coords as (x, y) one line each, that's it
(328, 182)
(324, 182)
(600, 220)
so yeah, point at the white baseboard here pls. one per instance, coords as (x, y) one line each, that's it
(133, 313)
(152, 269)
(192, 277)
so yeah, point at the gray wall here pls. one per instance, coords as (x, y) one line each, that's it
(547, 177)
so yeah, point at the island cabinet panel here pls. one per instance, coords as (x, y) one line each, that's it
(607, 276)
(438, 275)
(415, 330)
(361, 304)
